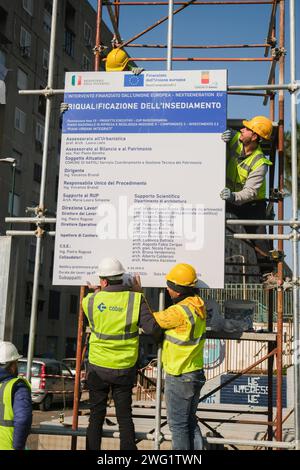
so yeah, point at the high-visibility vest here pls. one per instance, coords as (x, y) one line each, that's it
(113, 318)
(238, 171)
(183, 351)
(7, 412)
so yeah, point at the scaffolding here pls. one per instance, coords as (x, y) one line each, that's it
(272, 54)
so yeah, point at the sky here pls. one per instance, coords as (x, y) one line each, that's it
(213, 25)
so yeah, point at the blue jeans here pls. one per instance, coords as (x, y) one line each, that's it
(182, 393)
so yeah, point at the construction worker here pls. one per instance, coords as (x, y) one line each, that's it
(182, 356)
(245, 190)
(15, 401)
(115, 314)
(118, 61)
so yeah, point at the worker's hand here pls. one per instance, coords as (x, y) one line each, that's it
(227, 135)
(136, 283)
(137, 70)
(94, 288)
(227, 195)
(63, 107)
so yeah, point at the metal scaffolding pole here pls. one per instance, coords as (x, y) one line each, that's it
(295, 217)
(33, 317)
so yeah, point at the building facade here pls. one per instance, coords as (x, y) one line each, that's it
(25, 27)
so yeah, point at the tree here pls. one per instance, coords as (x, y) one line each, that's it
(288, 161)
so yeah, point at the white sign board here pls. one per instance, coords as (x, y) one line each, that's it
(142, 166)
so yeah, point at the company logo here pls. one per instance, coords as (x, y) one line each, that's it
(76, 80)
(133, 80)
(101, 307)
(204, 78)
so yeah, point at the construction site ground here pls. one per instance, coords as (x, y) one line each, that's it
(144, 420)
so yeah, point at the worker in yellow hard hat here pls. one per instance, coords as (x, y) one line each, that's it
(118, 61)
(245, 192)
(182, 355)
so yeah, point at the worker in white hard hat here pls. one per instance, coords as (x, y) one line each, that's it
(15, 400)
(245, 192)
(115, 313)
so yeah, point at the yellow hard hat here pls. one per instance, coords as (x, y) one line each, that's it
(261, 125)
(183, 275)
(116, 61)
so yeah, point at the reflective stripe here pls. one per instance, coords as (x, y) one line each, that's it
(129, 316)
(185, 343)
(192, 340)
(6, 423)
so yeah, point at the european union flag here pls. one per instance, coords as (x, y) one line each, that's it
(133, 80)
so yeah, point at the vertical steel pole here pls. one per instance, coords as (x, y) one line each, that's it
(295, 217)
(78, 368)
(162, 293)
(11, 209)
(161, 306)
(35, 288)
(280, 301)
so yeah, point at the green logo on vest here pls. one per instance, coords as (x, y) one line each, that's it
(101, 307)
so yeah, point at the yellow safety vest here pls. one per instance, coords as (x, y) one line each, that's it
(238, 171)
(183, 351)
(113, 318)
(7, 412)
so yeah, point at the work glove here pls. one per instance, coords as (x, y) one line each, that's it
(137, 70)
(63, 107)
(227, 135)
(227, 195)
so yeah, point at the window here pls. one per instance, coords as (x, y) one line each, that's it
(16, 205)
(2, 58)
(54, 305)
(25, 42)
(86, 63)
(54, 368)
(71, 346)
(37, 173)
(47, 21)
(69, 42)
(28, 6)
(31, 257)
(22, 80)
(42, 103)
(20, 120)
(74, 304)
(39, 133)
(87, 34)
(45, 59)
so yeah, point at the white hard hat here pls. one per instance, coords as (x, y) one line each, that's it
(110, 267)
(8, 352)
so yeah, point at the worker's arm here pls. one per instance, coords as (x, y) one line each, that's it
(169, 318)
(148, 323)
(22, 416)
(252, 185)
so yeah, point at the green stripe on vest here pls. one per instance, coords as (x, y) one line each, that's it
(113, 318)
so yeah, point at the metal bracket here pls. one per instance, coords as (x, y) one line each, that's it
(40, 232)
(288, 283)
(278, 52)
(99, 49)
(276, 195)
(277, 255)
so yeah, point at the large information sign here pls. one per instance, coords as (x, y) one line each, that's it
(142, 166)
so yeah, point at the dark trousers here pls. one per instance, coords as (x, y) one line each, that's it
(254, 211)
(122, 396)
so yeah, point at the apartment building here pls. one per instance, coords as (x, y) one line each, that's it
(25, 27)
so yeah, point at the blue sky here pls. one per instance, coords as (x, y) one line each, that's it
(202, 25)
